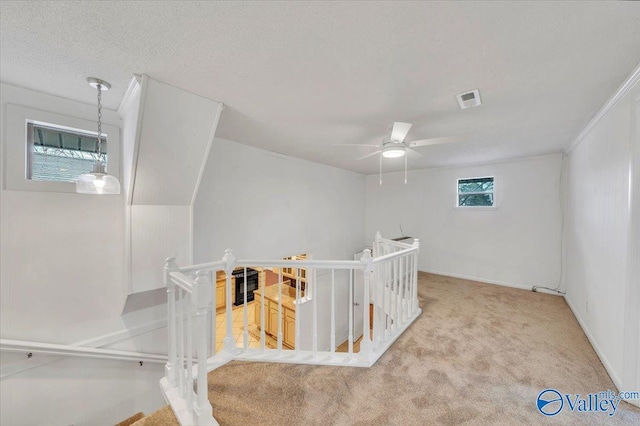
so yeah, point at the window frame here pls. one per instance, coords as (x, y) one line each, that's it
(31, 146)
(16, 147)
(457, 206)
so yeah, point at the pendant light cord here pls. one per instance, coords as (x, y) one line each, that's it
(99, 87)
(405, 166)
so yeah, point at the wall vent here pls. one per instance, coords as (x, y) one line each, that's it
(469, 99)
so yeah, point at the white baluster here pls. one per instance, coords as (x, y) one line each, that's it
(246, 318)
(384, 289)
(403, 282)
(333, 310)
(189, 352)
(297, 312)
(263, 324)
(203, 290)
(279, 335)
(170, 367)
(213, 338)
(396, 283)
(413, 267)
(229, 343)
(365, 345)
(315, 312)
(352, 272)
(181, 370)
(414, 307)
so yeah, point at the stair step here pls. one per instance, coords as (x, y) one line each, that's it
(163, 417)
(131, 420)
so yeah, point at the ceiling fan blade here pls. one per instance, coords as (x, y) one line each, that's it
(399, 131)
(434, 141)
(414, 153)
(353, 144)
(368, 155)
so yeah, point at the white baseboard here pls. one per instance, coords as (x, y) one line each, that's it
(596, 347)
(486, 281)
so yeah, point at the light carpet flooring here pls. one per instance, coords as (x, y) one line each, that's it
(479, 354)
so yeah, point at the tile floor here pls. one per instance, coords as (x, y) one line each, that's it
(238, 330)
(237, 325)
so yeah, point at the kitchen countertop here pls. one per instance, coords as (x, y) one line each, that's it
(271, 293)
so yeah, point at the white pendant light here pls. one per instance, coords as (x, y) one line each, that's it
(98, 181)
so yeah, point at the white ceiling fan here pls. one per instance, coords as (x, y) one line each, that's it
(396, 147)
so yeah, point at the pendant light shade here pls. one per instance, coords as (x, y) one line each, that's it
(98, 181)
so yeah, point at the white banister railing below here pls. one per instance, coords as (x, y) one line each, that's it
(342, 312)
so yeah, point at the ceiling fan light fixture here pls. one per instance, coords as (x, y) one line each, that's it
(393, 151)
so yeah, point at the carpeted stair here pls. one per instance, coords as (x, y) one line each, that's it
(162, 417)
(131, 420)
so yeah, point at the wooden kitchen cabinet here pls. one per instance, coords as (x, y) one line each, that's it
(289, 338)
(256, 312)
(272, 324)
(296, 274)
(287, 313)
(220, 295)
(221, 290)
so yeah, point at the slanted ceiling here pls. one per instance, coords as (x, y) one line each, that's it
(298, 77)
(175, 131)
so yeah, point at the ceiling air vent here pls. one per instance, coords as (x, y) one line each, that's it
(469, 99)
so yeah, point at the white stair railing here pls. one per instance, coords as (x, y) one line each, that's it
(365, 305)
(188, 296)
(396, 289)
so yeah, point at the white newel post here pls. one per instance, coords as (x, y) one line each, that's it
(365, 345)
(170, 368)
(376, 245)
(202, 296)
(229, 343)
(416, 245)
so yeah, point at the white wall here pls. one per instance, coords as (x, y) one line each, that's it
(61, 281)
(517, 244)
(62, 261)
(323, 294)
(168, 133)
(600, 256)
(631, 356)
(80, 392)
(266, 205)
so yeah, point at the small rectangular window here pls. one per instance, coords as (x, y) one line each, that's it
(476, 192)
(57, 154)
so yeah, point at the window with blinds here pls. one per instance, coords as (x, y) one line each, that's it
(58, 154)
(476, 192)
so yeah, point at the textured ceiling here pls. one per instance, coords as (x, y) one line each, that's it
(298, 77)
